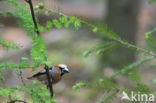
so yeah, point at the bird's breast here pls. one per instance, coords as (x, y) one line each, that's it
(56, 77)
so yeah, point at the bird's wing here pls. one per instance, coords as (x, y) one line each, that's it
(41, 73)
(37, 74)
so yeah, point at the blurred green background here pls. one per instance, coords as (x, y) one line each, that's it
(131, 19)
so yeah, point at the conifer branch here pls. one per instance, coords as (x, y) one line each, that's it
(38, 33)
(101, 30)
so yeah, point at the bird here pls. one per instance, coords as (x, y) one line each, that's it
(56, 73)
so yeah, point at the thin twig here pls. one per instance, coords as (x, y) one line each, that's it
(38, 33)
(136, 47)
(22, 77)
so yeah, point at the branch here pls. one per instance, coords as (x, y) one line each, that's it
(49, 81)
(117, 40)
(33, 16)
(14, 101)
(38, 33)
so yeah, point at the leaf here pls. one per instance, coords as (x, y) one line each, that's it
(53, 100)
(24, 58)
(48, 25)
(40, 5)
(75, 21)
(40, 28)
(77, 86)
(95, 29)
(57, 24)
(63, 19)
(86, 54)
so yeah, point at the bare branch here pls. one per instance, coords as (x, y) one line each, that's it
(33, 16)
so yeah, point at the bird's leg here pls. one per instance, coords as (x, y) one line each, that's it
(49, 89)
(47, 83)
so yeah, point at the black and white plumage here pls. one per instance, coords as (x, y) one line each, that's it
(56, 73)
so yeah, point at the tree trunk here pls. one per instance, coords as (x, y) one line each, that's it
(122, 19)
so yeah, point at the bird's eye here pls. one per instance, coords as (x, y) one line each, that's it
(61, 68)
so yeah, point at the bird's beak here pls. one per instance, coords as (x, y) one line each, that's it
(66, 70)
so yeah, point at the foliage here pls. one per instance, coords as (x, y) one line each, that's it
(8, 45)
(77, 86)
(63, 22)
(12, 92)
(23, 13)
(12, 66)
(38, 51)
(100, 48)
(39, 93)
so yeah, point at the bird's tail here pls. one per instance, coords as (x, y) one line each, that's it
(30, 78)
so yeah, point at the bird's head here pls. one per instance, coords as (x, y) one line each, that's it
(63, 69)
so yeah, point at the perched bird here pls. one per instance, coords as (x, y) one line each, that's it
(56, 72)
